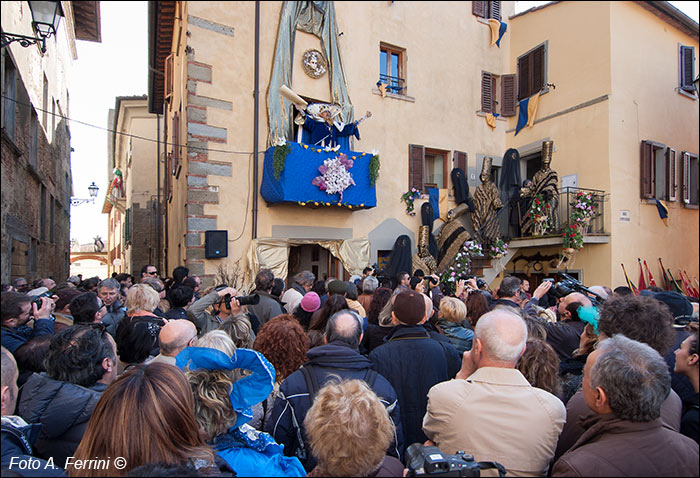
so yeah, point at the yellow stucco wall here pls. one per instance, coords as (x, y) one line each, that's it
(646, 106)
(446, 48)
(620, 50)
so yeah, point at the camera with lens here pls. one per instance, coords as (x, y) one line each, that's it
(37, 298)
(243, 299)
(480, 283)
(429, 460)
(570, 284)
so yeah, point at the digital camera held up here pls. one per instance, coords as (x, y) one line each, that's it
(430, 461)
(570, 284)
(37, 298)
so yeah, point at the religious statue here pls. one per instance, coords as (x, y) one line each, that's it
(545, 189)
(320, 121)
(487, 202)
(424, 259)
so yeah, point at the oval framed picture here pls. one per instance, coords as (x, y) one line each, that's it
(314, 63)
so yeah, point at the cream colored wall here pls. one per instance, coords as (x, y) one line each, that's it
(578, 63)
(645, 106)
(446, 47)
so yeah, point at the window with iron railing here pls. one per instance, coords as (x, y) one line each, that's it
(392, 69)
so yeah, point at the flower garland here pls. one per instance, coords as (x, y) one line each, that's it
(539, 212)
(498, 249)
(573, 238)
(335, 177)
(373, 170)
(408, 197)
(461, 265)
(279, 156)
(584, 210)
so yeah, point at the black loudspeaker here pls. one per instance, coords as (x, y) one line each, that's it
(215, 244)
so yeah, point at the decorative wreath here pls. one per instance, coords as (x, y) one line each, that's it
(314, 63)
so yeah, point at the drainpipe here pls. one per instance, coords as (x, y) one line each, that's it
(158, 249)
(166, 191)
(256, 118)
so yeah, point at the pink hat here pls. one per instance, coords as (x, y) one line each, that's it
(311, 302)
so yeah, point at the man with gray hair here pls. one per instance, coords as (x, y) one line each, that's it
(490, 410)
(625, 383)
(108, 291)
(303, 282)
(338, 358)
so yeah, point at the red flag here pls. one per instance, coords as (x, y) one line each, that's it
(651, 278)
(691, 289)
(629, 282)
(684, 284)
(642, 284)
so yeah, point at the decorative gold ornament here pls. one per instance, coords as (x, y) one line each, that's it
(314, 63)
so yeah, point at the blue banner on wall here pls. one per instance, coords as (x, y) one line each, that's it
(301, 167)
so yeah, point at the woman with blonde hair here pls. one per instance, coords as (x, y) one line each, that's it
(451, 316)
(349, 432)
(145, 416)
(141, 300)
(223, 401)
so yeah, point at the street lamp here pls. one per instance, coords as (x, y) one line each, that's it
(93, 188)
(45, 19)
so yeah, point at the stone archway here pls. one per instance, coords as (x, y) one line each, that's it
(83, 256)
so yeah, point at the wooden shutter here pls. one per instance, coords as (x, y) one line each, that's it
(416, 160)
(168, 77)
(647, 173)
(685, 180)
(671, 182)
(687, 54)
(523, 77)
(537, 70)
(487, 92)
(495, 10)
(508, 99)
(459, 160)
(480, 9)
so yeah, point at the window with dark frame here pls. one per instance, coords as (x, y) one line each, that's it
(436, 171)
(532, 71)
(486, 9)
(687, 69)
(9, 90)
(429, 168)
(392, 68)
(690, 179)
(498, 90)
(659, 172)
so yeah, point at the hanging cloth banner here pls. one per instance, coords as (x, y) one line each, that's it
(491, 120)
(498, 29)
(663, 211)
(526, 114)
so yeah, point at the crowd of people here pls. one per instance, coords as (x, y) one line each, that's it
(143, 376)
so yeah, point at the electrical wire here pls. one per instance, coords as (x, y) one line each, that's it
(198, 148)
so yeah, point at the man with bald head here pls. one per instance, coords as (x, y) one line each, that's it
(490, 410)
(565, 334)
(338, 358)
(174, 336)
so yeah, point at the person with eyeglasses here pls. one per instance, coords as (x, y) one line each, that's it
(173, 338)
(149, 270)
(87, 308)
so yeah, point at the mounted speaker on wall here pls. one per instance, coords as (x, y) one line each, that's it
(215, 244)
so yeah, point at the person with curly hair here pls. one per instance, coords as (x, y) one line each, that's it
(539, 364)
(284, 343)
(349, 431)
(226, 386)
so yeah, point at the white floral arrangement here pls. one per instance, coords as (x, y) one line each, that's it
(473, 248)
(335, 177)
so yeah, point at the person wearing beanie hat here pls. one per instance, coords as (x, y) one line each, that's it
(413, 362)
(311, 302)
(337, 287)
(677, 303)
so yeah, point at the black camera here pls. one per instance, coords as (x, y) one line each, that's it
(480, 283)
(243, 299)
(37, 298)
(570, 284)
(429, 460)
(432, 280)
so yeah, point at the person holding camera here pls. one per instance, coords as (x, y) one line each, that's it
(204, 320)
(491, 407)
(24, 317)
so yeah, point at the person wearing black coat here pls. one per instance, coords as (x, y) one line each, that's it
(338, 358)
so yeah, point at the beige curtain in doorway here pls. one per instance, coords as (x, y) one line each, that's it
(273, 254)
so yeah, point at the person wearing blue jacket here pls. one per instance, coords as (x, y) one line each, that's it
(338, 358)
(18, 311)
(223, 402)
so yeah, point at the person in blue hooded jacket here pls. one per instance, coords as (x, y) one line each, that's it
(223, 401)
